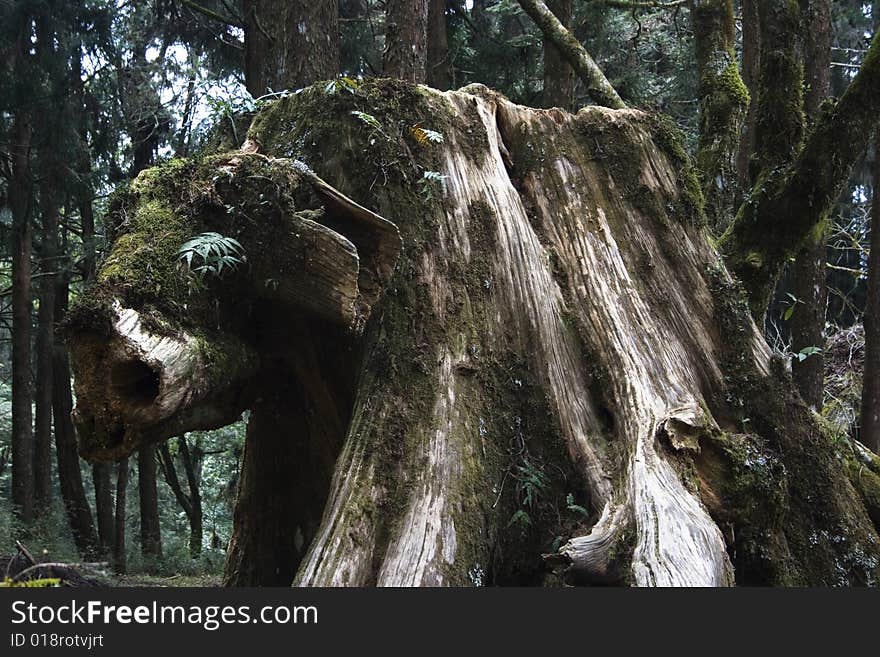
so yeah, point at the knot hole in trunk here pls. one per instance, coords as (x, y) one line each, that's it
(134, 383)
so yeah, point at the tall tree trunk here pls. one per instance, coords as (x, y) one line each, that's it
(45, 341)
(20, 197)
(102, 474)
(724, 101)
(406, 40)
(293, 438)
(192, 503)
(810, 288)
(870, 415)
(438, 58)
(148, 496)
(558, 74)
(119, 552)
(870, 411)
(751, 50)
(195, 495)
(289, 44)
(73, 494)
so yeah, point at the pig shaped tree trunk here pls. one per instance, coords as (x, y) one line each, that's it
(525, 363)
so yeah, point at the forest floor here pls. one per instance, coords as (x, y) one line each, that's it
(142, 580)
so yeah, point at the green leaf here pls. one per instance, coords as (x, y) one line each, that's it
(369, 119)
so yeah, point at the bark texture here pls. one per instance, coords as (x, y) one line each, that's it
(406, 40)
(120, 558)
(751, 48)
(44, 344)
(151, 533)
(73, 495)
(439, 57)
(289, 43)
(724, 101)
(558, 333)
(869, 431)
(20, 201)
(810, 288)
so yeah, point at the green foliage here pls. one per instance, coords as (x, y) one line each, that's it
(430, 182)
(368, 119)
(532, 484)
(424, 136)
(31, 583)
(575, 508)
(211, 254)
(342, 84)
(806, 352)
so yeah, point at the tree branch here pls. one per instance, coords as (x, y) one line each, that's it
(598, 86)
(210, 13)
(788, 203)
(646, 4)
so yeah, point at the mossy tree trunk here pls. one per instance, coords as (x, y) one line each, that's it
(797, 185)
(751, 47)
(809, 280)
(551, 358)
(724, 102)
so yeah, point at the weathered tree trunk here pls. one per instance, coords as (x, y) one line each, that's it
(289, 43)
(120, 560)
(809, 286)
(439, 64)
(406, 39)
(558, 333)
(558, 74)
(20, 201)
(148, 496)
